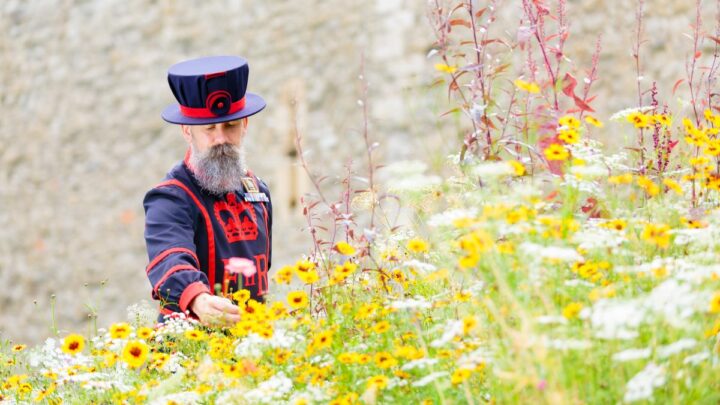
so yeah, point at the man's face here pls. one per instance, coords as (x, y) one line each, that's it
(217, 155)
(204, 137)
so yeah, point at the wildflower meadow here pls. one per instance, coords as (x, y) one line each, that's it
(538, 266)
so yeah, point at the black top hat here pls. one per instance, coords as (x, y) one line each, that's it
(211, 90)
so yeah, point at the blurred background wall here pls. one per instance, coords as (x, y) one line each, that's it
(82, 84)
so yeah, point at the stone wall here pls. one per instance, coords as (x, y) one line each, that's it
(82, 84)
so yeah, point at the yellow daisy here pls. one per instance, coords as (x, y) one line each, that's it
(417, 245)
(593, 121)
(570, 122)
(135, 353)
(445, 68)
(378, 381)
(527, 86)
(323, 340)
(120, 330)
(195, 335)
(241, 296)
(572, 310)
(73, 344)
(284, 275)
(460, 375)
(145, 333)
(384, 360)
(715, 303)
(656, 234)
(297, 299)
(556, 152)
(638, 119)
(345, 248)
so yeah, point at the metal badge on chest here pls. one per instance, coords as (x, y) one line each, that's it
(252, 193)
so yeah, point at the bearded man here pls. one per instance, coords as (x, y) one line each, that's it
(210, 212)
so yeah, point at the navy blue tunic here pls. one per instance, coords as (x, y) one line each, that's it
(191, 234)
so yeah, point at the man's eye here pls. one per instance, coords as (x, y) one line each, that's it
(210, 127)
(231, 123)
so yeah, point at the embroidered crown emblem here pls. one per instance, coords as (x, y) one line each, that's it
(237, 218)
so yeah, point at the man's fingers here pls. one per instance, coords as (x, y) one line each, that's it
(226, 306)
(218, 317)
(219, 311)
(230, 318)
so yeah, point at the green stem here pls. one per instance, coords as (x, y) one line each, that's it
(53, 328)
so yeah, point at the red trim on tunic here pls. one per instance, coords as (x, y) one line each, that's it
(208, 226)
(267, 249)
(170, 272)
(228, 277)
(166, 253)
(190, 292)
(165, 311)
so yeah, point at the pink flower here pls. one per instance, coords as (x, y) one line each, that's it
(241, 265)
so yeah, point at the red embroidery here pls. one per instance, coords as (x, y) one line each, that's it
(227, 278)
(237, 218)
(249, 281)
(262, 270)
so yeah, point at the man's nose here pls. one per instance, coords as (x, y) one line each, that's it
(222, 135)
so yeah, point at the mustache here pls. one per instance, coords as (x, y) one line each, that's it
(223, 150)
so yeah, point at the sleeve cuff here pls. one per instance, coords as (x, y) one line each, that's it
(190, 292)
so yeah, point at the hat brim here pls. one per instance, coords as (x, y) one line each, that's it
(253, 105)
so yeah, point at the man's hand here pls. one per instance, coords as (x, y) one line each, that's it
(213, 310)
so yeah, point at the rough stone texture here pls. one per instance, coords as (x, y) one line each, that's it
(82, 84)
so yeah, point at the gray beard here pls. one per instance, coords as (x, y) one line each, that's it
(220, 169)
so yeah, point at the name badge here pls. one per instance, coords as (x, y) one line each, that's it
(249, 184)
(256, 197)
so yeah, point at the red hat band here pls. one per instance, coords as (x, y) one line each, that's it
(211, 90)
(217, 104)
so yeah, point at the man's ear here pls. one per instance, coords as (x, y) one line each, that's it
(187, 133)
(245, 122)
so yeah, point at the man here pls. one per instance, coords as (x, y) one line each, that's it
(210, 208)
